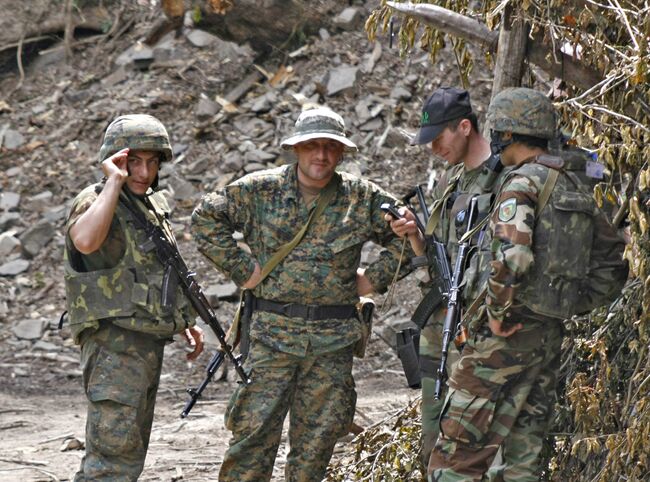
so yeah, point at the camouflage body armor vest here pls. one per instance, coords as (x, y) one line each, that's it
(129, 294)
(578, 253)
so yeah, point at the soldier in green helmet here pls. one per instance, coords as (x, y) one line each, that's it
(113, 297)
(554, 255)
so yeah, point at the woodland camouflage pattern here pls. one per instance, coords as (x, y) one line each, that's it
(503, 388)
(136, 131)
(113, 301)
(523, 111)
(299, 365)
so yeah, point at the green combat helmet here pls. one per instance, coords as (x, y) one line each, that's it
(523, 111)
(136, 131)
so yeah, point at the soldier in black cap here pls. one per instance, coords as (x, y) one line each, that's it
(450, 126)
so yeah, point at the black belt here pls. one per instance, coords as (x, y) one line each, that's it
(308, 312)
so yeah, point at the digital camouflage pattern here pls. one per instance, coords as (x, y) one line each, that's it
(523, 111)
(321, 405)
(267, 208)
(119, 281)
(501, 395)
(121, 371)
(136, 131)
(299, 365)
(448, 230)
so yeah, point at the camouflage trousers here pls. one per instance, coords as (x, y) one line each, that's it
(318, 393)
(121, 371)
(430, 352)
(501, 395)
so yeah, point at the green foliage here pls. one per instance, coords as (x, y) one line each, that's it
(602, 426)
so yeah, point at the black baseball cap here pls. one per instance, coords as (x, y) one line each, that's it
(444, 105)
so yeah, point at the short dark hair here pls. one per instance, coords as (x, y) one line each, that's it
(471, 117)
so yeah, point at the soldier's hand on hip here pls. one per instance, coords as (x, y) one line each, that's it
(115, 167)
(503, 329)
(194, 337)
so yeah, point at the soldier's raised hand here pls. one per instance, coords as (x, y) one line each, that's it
(115, 166)
(406, 226)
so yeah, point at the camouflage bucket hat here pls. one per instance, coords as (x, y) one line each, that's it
(136, 131)
(523, 111)
(318, 124)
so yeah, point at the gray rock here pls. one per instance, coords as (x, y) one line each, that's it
(118, 75)
(254, 166)
(371, 125)
(226, 291)
(212, 294)
(11, 139)
(41, 345)
(258, 155)
(253, 127)
(400, 93)
(9, 244)
(201, 39)
(139, 55)
(36, 237)
(324, 34)
(14, 171)
(206, 108)
(264, 103)
(233, 161)
(8, 220)
(12, 268)
(39, 202)
(348, 19)
(30, 329)
(246, 146)
(9, 201)
(55, 213)
(341, 79)
(182, 189)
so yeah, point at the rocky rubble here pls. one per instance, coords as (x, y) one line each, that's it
(226, 110)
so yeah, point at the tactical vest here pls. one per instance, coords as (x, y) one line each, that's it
(452, 223)
(128, 294)
(578, 253)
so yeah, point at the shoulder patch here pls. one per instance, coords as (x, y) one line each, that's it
(507, 209)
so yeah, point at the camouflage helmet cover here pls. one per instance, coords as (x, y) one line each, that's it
(136, 131)
(523, 111)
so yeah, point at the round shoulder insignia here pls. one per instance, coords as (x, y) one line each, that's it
(507, 209)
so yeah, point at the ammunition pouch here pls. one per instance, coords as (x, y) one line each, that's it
(407, 344)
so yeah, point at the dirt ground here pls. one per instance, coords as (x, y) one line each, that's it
(37, 425)
(60, 108)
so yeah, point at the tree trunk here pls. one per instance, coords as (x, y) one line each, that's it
(511, 52)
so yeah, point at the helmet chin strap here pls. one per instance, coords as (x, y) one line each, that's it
(498, 143)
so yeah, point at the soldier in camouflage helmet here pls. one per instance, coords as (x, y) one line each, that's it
(547, 239)
(113, 293)
(304, 326)
(449, 125)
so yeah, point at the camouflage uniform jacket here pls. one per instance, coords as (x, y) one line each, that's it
(453, 224)
(120, 282)
(559, 251)
(267, 209)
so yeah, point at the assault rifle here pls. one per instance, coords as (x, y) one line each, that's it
(452, 317)
(176, 272)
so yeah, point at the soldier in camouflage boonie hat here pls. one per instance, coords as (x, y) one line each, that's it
(319, 123)
(136, 131)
